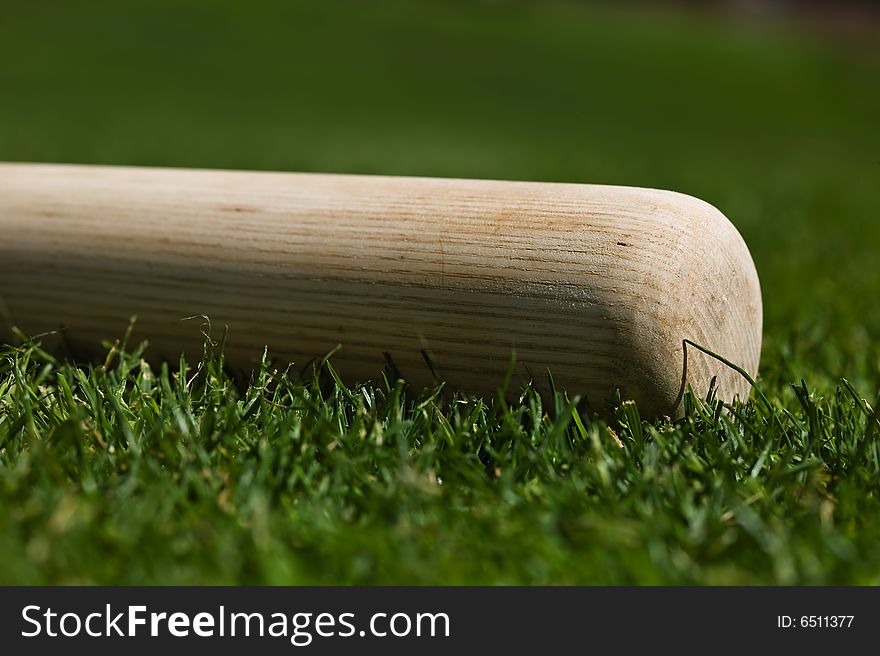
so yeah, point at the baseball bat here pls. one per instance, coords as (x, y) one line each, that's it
(456, 279)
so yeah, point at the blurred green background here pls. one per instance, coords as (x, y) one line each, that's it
(774, 121)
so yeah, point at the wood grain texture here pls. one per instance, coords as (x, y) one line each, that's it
(599, 284)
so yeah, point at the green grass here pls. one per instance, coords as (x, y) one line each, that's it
(116, 473)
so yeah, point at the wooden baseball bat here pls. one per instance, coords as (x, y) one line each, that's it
(599, 284)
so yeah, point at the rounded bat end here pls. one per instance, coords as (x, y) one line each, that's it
(708, 311)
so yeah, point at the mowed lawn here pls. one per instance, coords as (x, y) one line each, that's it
(112, 472)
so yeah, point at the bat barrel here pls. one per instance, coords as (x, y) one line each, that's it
(598, 284)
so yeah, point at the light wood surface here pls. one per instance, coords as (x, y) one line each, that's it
(599, 284)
